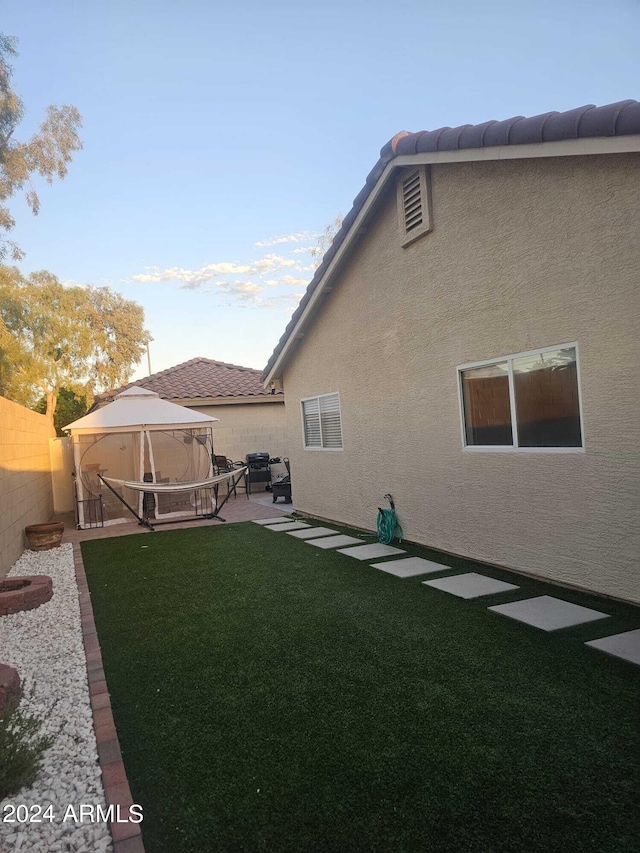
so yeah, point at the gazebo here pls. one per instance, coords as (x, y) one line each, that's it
(140, 438)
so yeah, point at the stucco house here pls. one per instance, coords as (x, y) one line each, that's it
(251, 418)
(471, 344)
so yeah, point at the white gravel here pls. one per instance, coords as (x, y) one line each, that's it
(45, 646)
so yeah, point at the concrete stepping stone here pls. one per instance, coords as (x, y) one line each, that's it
(273, 520)
(311, 532)
(548, 613)
(369, 552)
(410, 567)
(333, 541)
(625, 646)
(470, 585)
(288, 525)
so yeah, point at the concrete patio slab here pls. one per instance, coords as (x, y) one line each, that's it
(288, 525)
(273, 520)
(470, 585)
(333, 541)
(548, 613)
(370, 552)
(312, 532)
(410, 567)
(625, 646)
(267, 500)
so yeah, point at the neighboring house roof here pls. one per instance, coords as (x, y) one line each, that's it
(449, 144)
(199, 378)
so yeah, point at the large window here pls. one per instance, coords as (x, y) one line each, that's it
(322, 423)
(526, 401)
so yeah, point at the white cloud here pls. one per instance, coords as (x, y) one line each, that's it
(289, 238)
(273, 262)
(240, 293)
(223, 269)
(191, 279)
(286, 301)
(240, 287)
(292, 281)
(238, 283)
(302, 250)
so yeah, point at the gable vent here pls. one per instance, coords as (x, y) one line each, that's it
(412, 202)
(414, 213)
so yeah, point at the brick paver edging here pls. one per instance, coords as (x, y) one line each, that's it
(127, 837)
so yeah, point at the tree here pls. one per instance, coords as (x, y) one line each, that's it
(51, 336)
(69, 408)
(325, 239)
(47, 153)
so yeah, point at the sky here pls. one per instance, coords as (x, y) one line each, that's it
(220, 139)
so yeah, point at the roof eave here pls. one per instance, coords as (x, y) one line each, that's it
(190, 402)
(92, 430)
(583, 146)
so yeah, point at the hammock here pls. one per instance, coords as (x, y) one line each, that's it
(164, 488)
(171, 488)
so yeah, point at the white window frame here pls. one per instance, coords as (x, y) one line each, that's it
(514, 448)
(318, 398)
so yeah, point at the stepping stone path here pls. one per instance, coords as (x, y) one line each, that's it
(470, 585)
(288, 525)
(333, 541)
(370, 552)
(273, 520)
(410, 567)
(625, 646)
(548, 613)
(311, 532)
(544, 612)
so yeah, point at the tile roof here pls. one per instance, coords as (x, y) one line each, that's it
(619, 119)
(199, 377)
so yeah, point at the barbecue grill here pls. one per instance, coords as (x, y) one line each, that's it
(258, 470)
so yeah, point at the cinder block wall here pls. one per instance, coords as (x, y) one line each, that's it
(249, 428)
(25, 477)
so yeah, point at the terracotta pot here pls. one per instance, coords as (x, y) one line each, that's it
(42, 537)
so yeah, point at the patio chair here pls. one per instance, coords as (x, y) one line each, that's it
(226, 466)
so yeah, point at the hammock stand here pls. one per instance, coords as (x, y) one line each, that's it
(212, 483)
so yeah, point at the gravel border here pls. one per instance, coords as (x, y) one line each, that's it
(46, 646)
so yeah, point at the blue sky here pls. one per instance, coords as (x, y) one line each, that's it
(211, 128)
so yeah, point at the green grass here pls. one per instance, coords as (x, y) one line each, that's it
(271, 696)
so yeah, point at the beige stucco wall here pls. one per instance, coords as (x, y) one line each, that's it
(249, 428)
(25, 478)
(524, 254)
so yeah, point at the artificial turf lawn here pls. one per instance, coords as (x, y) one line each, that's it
(271, 696)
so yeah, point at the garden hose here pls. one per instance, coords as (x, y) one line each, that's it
(388, 525)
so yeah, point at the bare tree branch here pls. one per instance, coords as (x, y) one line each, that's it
(48, 152)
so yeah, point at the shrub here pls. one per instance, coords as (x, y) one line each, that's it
(21, 746)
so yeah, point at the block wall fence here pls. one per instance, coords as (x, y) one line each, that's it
(25, 477)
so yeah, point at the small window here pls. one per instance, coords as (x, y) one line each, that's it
(322, 422)
(414, 209)
(523, 402)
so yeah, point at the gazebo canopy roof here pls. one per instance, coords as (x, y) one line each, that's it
(136, 409)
